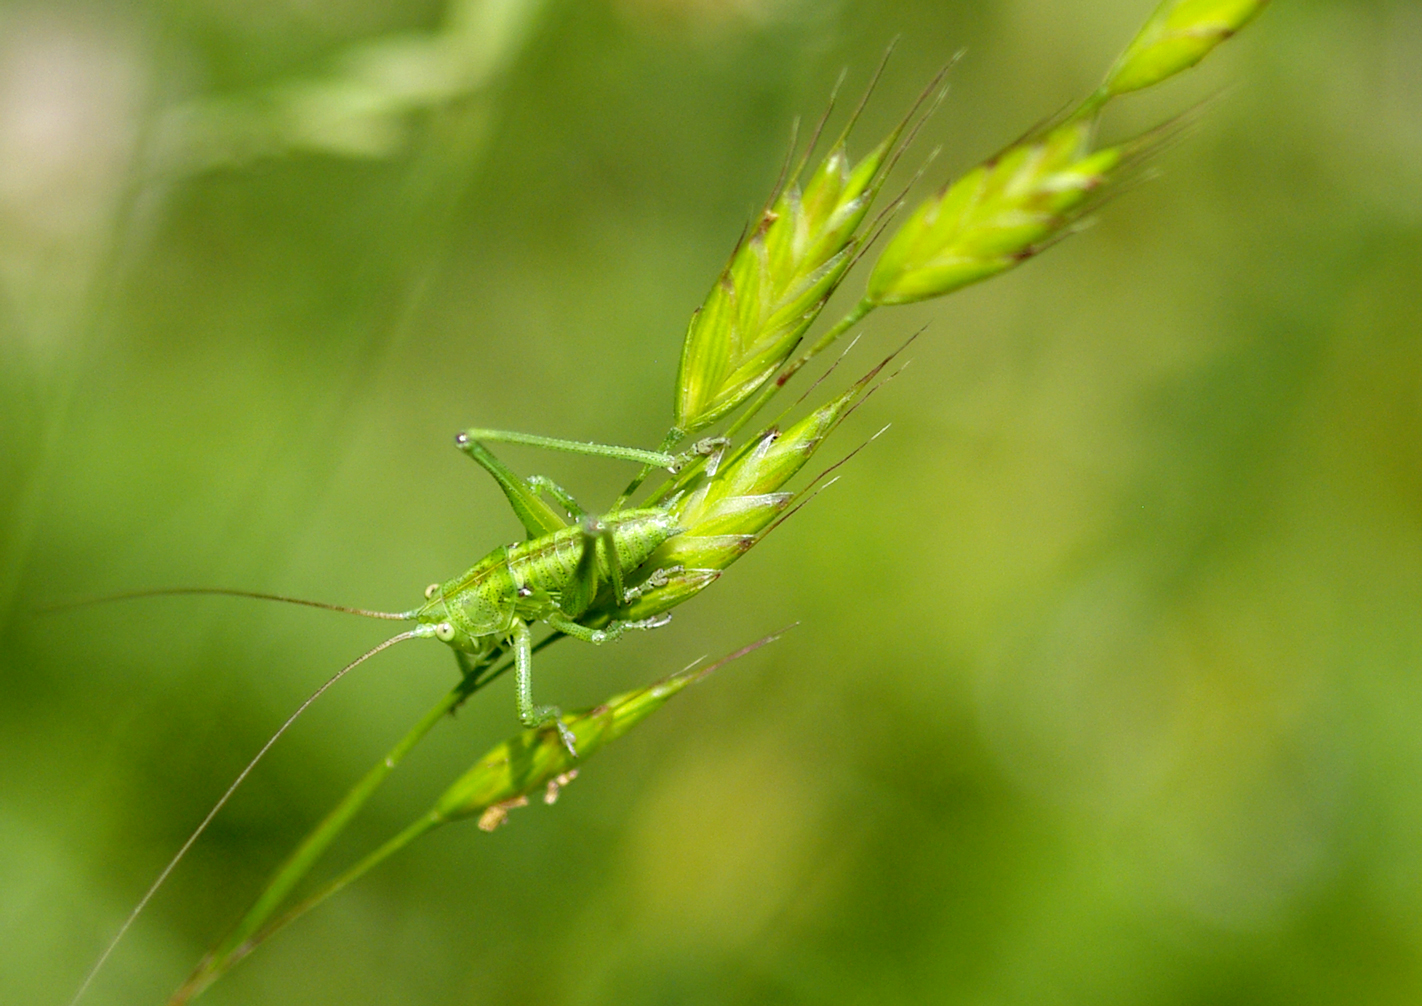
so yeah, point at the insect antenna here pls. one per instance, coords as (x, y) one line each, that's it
(227, 795)
(394, 616)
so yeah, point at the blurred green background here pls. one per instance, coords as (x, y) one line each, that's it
(1106, 687)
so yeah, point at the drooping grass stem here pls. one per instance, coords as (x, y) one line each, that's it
(418, 828)
(240, 940)
(290, 873)
(205, 977)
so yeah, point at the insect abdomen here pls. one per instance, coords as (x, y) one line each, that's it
(550, 562)
(639, 533)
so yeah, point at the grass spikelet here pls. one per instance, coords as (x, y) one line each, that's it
(775, 286)
(1178, 35)
(726, 514)
(778, 280)
(535, 759)
(1016, 204)
(995, 216)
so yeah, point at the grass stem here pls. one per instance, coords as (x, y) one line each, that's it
(240, 941)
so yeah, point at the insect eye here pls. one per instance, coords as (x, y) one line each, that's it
(431, 591)
(444, 632)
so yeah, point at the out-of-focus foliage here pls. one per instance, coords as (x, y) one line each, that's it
(1109, 685)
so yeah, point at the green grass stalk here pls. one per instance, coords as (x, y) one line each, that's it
(315, 844)
(300, 862)
(502, 779)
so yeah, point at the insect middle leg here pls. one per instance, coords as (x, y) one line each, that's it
(560, 616)
(522, 641)
(542, 483)
(583, 586)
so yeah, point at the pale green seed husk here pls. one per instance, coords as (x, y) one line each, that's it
(1178, 35)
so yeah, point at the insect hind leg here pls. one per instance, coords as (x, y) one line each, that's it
(584, 447)
(583, 586)
(537, 517)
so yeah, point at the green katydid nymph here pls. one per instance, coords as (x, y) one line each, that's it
(554, 577)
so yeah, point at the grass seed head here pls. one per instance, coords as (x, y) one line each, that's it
(727, 514)
(778, 280)
(1178, 35)
(1011, 207)
(537, 759)
(997, 215)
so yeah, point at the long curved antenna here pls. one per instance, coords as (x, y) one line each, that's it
(393, 616)
(222, 801)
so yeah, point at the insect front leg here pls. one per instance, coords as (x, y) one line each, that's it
(531, 715)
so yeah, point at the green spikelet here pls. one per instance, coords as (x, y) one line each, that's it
(539, 760)
(1178, 35)
(775, 286)
(726, 514)
(997, 215)
(1014, 205)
